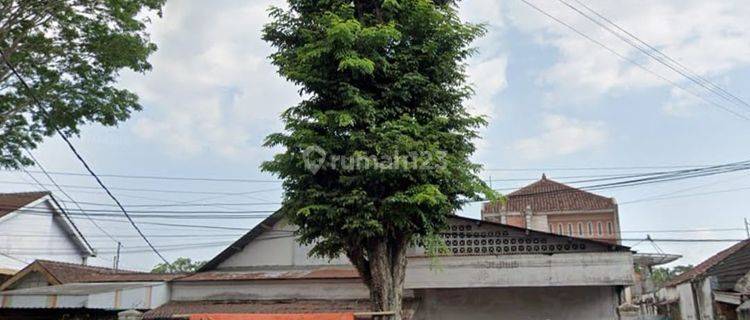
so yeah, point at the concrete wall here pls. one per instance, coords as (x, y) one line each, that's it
(697, 298)
(562, 303)
(268, 290)
(276, 247)
(54, 245)
(570, 269)
(687, 304)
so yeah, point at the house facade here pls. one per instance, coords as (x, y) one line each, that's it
(553, 207)
(33, 226)
(60, 290)
(717, 288)
(490, 271)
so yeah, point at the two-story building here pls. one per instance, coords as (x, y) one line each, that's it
(550, 206)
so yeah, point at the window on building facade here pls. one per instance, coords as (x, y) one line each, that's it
(591, 228)
(609, 228)
(570, 229)
(559, 228)
(599, 228)
(580, 229)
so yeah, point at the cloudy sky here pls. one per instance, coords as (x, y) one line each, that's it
(557, 103)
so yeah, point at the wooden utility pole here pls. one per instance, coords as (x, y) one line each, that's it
(117, 256)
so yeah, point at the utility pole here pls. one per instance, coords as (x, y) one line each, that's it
(117, 257)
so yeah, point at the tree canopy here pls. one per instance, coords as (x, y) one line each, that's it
(180, 265)
(383, 120)
(70, 53)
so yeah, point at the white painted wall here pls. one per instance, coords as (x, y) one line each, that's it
(561, 303)
(687, 305)
(55, 245)
(276, 247)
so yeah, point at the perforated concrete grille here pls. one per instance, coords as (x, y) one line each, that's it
(470, 239)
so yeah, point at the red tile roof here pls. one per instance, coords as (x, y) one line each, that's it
(701, 268)
(10, 202)
(319, 273)
(183, 308)
(63, 272)
(70, 273)
(546, 195)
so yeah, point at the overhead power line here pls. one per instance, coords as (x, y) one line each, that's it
(149, 177)
(41, 167)
(634, 62)
(665, 176)
(78, 155)
(656, 54)
(154, 190)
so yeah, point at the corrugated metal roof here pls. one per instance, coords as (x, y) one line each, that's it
(317, 273)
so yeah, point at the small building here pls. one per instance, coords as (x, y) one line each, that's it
(550, 206)
(490, 271)
(715, 289)
(34, 226)
(61, 290)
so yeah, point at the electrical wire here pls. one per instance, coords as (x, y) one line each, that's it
(78, 155)
(636, 63)
(662, 58)
(41, 167)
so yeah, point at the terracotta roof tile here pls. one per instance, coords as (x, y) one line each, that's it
(266, 307)
(319, 273)
(701, 268)
(10, 202)
(71, 273)
(546, 195)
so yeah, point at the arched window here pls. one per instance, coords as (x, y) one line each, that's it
(580, 229)
(559, 228)
(570, 229)
(599, 228)
(551, 228)
(609, 228)
(591, 228)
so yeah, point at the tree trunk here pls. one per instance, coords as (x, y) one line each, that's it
(383, 271)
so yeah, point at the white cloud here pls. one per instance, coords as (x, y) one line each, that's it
(212, 89)
(562, 136)
(710, 37)
(489, 79)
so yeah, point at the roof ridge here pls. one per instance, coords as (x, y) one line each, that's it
(707, 264)
(550, 181)
(24, 193)
(98, 269)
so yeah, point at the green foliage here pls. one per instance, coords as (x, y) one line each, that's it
(180, 265)
(660, 276)
(381, 78)
(70, 53)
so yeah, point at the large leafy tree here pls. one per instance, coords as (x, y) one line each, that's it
(383, 80)
(70, 53)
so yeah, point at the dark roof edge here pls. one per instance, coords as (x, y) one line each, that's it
(243, 241)
(616, 247)
(256, 231)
